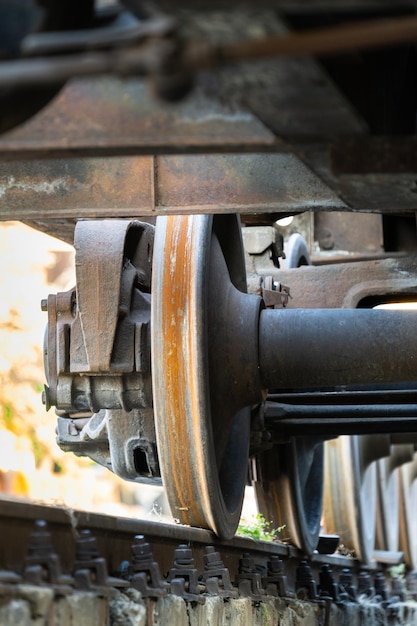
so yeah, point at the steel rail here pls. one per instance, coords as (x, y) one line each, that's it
(37, 562)
(122, 529)
(115, 536)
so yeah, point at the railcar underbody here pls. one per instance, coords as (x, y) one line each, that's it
(206, 343)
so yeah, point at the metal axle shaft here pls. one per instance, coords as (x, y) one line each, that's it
(304, 348)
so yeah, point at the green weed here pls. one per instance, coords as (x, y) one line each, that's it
(259, 528)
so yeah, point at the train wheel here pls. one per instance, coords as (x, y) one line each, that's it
(350, 491)
(203, 445)
(289, 490)
(289, 478)
(388, 510)
(408, 508)
(296, 252)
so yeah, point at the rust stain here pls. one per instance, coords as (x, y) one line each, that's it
(48, 188)
(178, 272)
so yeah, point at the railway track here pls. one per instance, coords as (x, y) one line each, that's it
(61, 562)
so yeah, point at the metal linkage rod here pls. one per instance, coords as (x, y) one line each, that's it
(384, 394)
(340, 420)
(126, 57)
(324, 41)
(305, 348)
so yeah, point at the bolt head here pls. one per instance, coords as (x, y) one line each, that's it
(46, 400)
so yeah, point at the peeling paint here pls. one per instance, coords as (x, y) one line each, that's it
(48, 188)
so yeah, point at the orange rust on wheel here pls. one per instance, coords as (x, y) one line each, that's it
(199, 492)
(172, 306)
(179, 361)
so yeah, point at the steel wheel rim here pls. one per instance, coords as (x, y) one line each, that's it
(200, 493)
(350, 496)
(293, 497)
(388, 507)
(408, 506)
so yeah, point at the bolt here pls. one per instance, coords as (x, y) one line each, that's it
(40, 540)
(212, 559)
(345, 582)
(304, 581)
(412, 585)
(398, 588)
(275, 565)
(141, 551)
(380, 586)
(328, 587)
(46, 399)
(365, 585)
(247, 564)
(345, 577)
(87, 549)
(304, 575)
(44, 304)
(326, 239)
(183, 556)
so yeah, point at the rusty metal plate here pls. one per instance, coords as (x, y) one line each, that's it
(107, 116)
(345, 285)
(141, 186)
(351, 232)
(241, 183)
(372, 193)
(374, 155)
(83, 188)
(383, 193)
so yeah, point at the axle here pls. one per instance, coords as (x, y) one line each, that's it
(250, 349)
(325, 347)
(253, 349)
(221, 351)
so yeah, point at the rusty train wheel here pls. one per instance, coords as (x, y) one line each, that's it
(203, 454)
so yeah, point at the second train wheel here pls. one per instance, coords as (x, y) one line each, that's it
(289, 478)
(289, 490)
(408, 507)
(350, 493)
(388, 508)
(203, 442)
